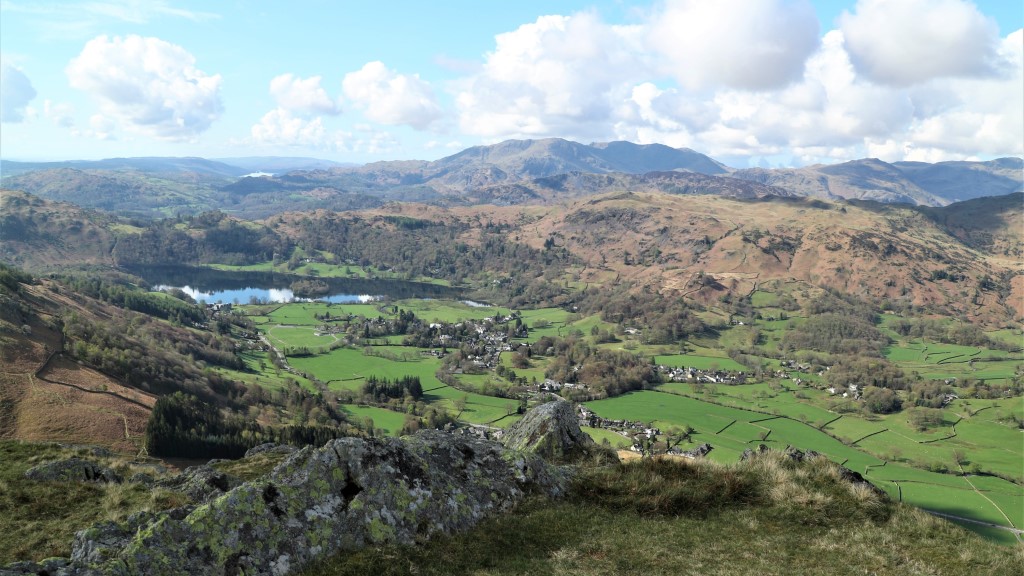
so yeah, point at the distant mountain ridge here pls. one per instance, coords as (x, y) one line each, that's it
(515, 160)
(907, 182)
(510, 172)
(147, 165)
(282, 164)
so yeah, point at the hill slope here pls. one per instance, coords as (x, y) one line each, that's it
(38, 233)
(45, 395)
(962, 260)
(677, 244)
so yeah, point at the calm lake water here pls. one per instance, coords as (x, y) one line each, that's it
(209, 285)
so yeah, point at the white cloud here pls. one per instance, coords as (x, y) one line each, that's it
(912, 41)
(100, 128)
(745, 44)
(61, 114)
(391, 98)
(560, 75)
(281, 127)
(303, 96)
(16, 92)
(148, 85)
(970, 116)
(450, 145)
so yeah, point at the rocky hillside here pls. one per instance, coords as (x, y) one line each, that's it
(36, 233)
(963, 259)
(46, 395)
(561, 187)
(704, 247)
(439, 503)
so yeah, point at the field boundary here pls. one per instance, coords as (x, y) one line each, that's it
(854, 443)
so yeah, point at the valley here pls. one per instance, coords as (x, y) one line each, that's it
(712, 320)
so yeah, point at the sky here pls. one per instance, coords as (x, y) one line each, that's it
(748, 82)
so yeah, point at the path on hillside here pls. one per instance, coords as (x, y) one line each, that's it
(1016, 531)
(989, 500)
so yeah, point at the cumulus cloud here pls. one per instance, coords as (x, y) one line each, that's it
(302, 95)
(560, 75)
(281, 127)
(912, 41)
(806, 100)
(391, 98)
(965, 117)
(148, 85)
(61, 114)
(746, 44)
(100, 128)
(16, 92)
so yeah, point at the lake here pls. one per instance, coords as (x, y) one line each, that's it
(210, 285)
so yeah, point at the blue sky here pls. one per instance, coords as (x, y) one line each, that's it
(750, 82)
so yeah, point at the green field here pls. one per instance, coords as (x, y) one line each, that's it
(347, 369)
(449, 310)
(545, 322)
(260, 372)
(297, 336)
(387, 420)
(616, 440)
(886, 448)
(730, 430)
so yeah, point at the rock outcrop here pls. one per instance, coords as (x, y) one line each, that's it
(552, 431)
(699, 452)
(350, 493)
(72, 470)
(201, 483)
(270, 448)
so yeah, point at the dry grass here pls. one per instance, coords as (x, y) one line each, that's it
(39, 519)
(656, 517)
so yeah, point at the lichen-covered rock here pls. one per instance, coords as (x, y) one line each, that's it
(72, 470)
(201, 483)
(48, 567)
(270, 447)
(552, 431)
(105, 540)
(348, 494)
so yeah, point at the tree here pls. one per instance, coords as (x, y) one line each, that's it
(881, 400)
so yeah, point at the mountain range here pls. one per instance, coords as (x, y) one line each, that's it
(510, 172)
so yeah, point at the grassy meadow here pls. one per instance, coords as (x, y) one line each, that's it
(919, 466)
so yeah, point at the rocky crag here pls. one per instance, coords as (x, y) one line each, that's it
(553, 431)
(350, 493)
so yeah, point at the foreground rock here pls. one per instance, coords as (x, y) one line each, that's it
(348, 494)
(553, 431)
